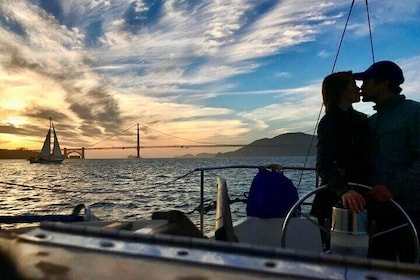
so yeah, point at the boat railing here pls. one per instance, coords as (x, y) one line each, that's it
(280, 168)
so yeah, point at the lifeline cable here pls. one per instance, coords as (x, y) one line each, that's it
(51, 188)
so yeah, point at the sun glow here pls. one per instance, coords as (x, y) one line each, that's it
(15, 121)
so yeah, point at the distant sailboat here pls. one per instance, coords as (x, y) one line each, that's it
(45, 155)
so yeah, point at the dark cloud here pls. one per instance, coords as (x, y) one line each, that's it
(44, 113)
(90, 129)
(13, 60)
(11, 129)
(93, 105)
(27, 130)
(96, 106)
(151, 137)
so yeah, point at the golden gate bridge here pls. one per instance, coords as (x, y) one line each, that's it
(80, 151)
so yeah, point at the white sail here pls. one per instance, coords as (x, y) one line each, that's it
(46, 148)
(56, 148)
(45, 155)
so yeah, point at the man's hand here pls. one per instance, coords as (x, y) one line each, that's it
(381, 193)
(353, 201)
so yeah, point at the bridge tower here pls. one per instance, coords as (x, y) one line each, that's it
(80, 152)
(138, 141)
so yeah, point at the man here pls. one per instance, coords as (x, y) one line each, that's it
(395, 166)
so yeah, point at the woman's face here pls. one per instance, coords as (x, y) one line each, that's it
(352, 93)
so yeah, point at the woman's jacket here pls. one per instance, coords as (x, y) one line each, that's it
(343, 155)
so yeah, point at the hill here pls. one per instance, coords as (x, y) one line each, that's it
(289, 144)
(17, 154)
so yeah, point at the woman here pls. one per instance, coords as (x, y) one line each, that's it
(342, 149)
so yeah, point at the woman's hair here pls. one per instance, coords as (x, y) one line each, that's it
(333, 87)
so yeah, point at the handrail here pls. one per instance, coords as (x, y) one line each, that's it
(252, 166)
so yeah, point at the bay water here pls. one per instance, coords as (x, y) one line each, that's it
(130, 189)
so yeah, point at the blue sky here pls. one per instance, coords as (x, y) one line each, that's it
(188, 72)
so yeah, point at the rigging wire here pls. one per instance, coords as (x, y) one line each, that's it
(332, 71)
(370, 33)
(342, 37)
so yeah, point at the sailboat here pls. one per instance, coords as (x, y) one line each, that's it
(45, 155)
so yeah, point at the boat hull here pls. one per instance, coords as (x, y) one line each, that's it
(78, 251)
(46, 161)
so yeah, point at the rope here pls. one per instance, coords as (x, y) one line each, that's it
(335, 63)
(344, 31)
(342, 37)
(322, 105)
(370, 32)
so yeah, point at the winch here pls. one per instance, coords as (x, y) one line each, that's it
(349, 232)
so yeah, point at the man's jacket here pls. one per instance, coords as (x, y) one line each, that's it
(396, 149)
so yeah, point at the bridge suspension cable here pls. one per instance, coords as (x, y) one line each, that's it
(163, 146)
(106, 139)
(196, 144)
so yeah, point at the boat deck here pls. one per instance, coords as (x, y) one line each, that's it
(91, 251)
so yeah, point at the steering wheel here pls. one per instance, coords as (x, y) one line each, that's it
(309, 194)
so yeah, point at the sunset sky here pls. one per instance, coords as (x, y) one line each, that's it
(188, 72)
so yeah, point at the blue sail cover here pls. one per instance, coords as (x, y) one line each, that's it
(271, 195)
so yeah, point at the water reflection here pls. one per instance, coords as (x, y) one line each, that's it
(129, 188)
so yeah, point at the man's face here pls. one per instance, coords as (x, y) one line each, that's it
(370, 90)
